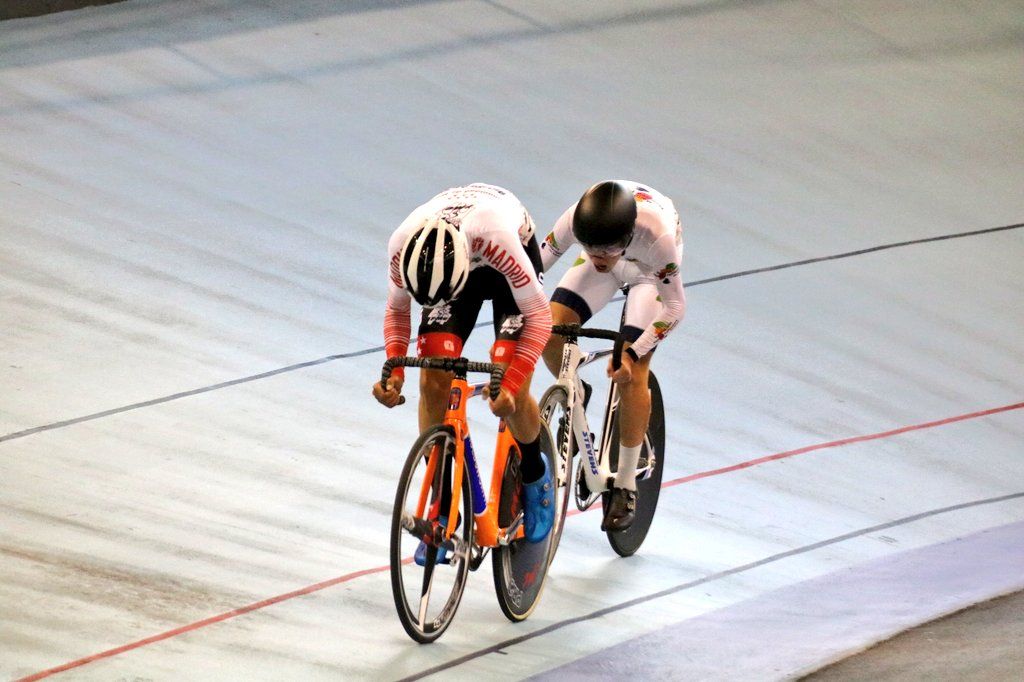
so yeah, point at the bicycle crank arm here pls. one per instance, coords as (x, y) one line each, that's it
(646, 470)
(645, 467)
(456, 548)
(510, 534)
(584, 505)
(433, 533)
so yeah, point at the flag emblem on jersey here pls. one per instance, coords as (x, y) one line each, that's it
(668, 270)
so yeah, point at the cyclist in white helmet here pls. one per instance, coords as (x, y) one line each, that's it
(466, 245)
(631, 237)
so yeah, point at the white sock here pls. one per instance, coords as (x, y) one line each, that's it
(625, 477)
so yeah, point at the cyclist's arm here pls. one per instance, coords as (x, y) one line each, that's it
(558, 240)
(532, 339)
(397, 310)
(509, 257)
(665, 257)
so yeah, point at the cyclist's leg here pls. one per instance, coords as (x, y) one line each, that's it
(560, 314)
(642, 306)
(525, 422)
(634, 414)
(442, 333)
(581, 292)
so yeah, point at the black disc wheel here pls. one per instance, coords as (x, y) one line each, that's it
(427, 596)
(649, 472)
(520, 568)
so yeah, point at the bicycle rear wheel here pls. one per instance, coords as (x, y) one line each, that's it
(521, 567)
(627, 542)
(554, 412)
(427, 596)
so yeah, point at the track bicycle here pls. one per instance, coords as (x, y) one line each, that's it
(440, 501)
(562, 409)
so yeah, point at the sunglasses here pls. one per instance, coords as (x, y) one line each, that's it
(605, 251)
(609, 250)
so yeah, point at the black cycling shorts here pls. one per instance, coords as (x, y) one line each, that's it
(444, 329)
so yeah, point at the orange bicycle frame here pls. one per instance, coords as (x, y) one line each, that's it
(486, 521)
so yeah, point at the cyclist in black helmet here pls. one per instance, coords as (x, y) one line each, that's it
(631, 237)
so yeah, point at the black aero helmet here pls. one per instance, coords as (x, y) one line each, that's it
(605, 215)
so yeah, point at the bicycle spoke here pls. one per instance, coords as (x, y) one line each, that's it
(428, 580)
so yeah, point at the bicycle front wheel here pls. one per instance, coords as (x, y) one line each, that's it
(521, 567)
(427, 588)
(554, 412)
(649, 473)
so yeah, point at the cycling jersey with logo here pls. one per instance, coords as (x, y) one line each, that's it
(497, 227)
(650, 266)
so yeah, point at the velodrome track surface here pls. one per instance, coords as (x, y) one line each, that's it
(195, 202)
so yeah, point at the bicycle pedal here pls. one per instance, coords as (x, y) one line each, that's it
(509, 535)
(442, 558)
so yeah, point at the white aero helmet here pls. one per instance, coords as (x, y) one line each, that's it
(435, 262)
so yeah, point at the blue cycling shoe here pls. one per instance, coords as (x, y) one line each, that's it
(539, 506)
(420, 556)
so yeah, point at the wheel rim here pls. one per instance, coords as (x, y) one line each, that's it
(553, 411)
(427, 596)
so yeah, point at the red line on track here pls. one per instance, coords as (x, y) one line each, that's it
(380, 569)
(203, 623)
(838, 443)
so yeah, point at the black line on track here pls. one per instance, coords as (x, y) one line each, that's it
(858, 252)
(186, 394)
(701, 581)
(368, 351)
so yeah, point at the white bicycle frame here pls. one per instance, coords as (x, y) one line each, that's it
(594, 464)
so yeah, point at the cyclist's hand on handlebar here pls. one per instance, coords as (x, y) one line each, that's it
(389, 395)
(624, 374)
(503, 405)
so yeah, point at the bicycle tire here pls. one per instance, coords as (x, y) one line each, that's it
(627, 542)
(521, 567)
(554, 405)
(414, 614)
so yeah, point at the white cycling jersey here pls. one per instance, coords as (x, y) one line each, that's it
(496, 227)
(651, 262)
